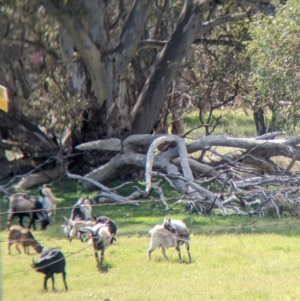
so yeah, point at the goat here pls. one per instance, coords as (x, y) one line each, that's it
(47, 198)
(71, 228)
(51, 261)
(19, 235)
(172, 233)
(101, 239)
(81, 210)
(112, 228)
(20, 205)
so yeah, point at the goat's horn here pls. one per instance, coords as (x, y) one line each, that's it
(44, 214)
(70, 222)
(166, 218)
(66, 219)
(87, 229)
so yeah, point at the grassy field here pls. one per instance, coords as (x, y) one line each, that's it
(234, 258)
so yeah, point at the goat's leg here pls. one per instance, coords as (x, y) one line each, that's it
(163, 251)
(21, 221)
(9, 244)
(97, 258)
(31, 222)
(17, 248)
(9, 219)
(45, 281)
(188, 251)
(149, 251)
(26, 249)
(64, 279)
(179, 253)
(101, 257)
(52, 277)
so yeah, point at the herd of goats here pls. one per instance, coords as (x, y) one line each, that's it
(98, 231)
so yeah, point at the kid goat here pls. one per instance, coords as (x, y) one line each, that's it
(172, 233)
(22, 236)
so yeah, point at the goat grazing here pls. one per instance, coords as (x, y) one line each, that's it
(82, 210)
(71, 228)
(52, 261)
(21, 205)
(48, 200)
(172, 233)
(112, 228)
(101, 239)
(22, 236)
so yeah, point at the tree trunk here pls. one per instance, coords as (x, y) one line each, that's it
(259, 119)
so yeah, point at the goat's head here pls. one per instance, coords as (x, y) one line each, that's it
(46, 192)
(93, 231)
(43, 218)
(39, 248)
(41, 192)
(168, 225)
(67, 226)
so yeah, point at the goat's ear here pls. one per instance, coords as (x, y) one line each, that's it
(66, 220)
(95, 217)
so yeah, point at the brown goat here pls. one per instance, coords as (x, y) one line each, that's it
(22, 236)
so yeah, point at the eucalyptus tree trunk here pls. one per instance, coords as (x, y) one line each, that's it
(102, 73)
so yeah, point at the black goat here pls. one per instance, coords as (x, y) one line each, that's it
(52, 261)
(112, 228)
(21, 205)
(81, 210)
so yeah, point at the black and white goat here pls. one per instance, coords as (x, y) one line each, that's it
(172, 233)
(52, 261)
(100, 239)
(47, 198)
(82, 210)
(112, 228)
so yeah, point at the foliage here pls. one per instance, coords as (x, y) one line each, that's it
(275, 61)
(32, 39)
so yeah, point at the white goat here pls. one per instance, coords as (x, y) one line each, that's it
(47, 198)
(172, 233)
(71, 228)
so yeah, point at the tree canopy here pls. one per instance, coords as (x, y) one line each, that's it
(275, 61)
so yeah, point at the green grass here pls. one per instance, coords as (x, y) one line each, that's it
(234, 258)
(236, 124)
